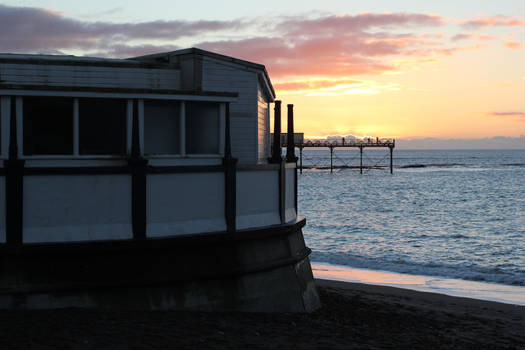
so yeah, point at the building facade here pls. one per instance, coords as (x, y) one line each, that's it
(146, 177)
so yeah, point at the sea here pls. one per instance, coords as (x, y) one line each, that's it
(446, 221)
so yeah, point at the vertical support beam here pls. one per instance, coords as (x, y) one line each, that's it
(301, 158)
(360, 159)
(331, 159)
(14, 179)
(282, 190)
(296, 188)
(290, 143)
(391, 160)
(276, 149)
(230, 177)
(138, 167)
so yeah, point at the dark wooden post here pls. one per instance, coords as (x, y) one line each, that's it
(360, 159)
(276, 150)
(230, 178)
(331, 159)
(290, 143)
(301, 158)
(14, 183)
(138, 167)
(391, 160)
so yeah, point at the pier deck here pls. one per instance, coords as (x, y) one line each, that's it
(332, 144)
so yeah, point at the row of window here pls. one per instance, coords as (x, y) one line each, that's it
(94, 126)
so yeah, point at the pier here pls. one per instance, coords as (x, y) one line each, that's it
(301, 144)
(280, 140)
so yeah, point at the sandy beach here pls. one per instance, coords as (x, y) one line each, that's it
(352, 316)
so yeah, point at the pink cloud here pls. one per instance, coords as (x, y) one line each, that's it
(325, 46)
(494, 21)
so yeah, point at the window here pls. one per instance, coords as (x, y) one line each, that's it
(71, 126)
(161, 127)
(48, 125)
(102, 126)
(202, 128)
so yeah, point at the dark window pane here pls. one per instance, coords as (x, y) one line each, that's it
(102, 126)
(48, 125)
(202, 128)
(161, 127)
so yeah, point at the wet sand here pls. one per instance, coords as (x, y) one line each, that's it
(353, 315)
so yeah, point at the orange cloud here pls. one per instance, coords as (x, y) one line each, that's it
(513, 45)
(517, 115)
(334, 87)
(313, 84)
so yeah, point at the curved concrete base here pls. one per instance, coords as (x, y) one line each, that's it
(265, 270)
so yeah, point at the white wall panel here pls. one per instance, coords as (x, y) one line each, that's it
(257, 198)
(185, 203)
(220, 76)
(77, 208)
(289, 213)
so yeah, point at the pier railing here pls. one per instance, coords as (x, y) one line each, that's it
(361, 144)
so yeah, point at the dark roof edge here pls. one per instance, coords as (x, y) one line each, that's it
(116, 90)
(195, 50)
(61, 60)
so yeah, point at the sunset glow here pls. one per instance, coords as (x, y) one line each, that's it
(402, 72)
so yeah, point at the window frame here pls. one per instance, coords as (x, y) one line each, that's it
(19, 95)
(182, 133)
(76, 132)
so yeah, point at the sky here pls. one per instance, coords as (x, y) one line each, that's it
(447, 70)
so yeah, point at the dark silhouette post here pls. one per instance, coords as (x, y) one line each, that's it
(290, 143)
(391, 160)
(230, 176)
(276, 150)
(331, 159)
(360, 159)
(301, 158)
(14, 184)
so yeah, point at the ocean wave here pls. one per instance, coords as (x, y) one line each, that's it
(519, 165)
(432, 165)
(469, 271)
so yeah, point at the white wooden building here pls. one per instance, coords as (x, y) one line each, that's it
(150, 173)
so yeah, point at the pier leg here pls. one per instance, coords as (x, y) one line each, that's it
(360, 160)
(391, 161)
(331, 159)
(301, 159)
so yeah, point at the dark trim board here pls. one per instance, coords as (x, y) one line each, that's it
(117, 90)
(59, 61)
(119, 170)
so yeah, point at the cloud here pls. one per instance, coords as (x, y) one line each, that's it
(508, 114)
(494, 21)
(293, 48)
(482, 37)
(334, 87)
(24, 29)
(513, 45)
(512, 114)
(313, 84)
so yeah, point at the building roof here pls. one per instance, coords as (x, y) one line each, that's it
(164, 57)
(75, 60)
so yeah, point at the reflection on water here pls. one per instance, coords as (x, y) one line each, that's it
(454, 287)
